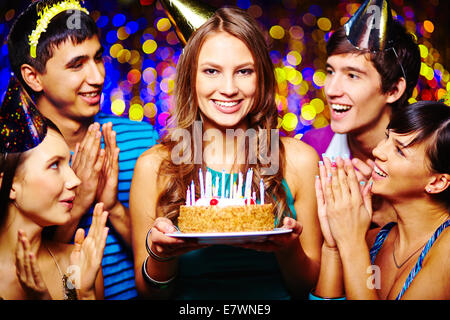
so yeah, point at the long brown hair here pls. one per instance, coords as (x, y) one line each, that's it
(262, 117)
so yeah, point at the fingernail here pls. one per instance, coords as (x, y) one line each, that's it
(320, 163)
(317, 177)
(333, 164)
(363, 183)
(329, 175)
(346, 156)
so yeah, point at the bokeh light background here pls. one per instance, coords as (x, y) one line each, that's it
(142, 50)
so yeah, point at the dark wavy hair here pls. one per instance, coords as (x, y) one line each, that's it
(431, 121)
(262, 116)
(386, 62)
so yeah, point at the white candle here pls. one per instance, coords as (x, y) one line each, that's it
(192, 192)
(208, 190)
(239, 190)
(261, 191)
(248, 183)
(231, 186)
(216, 190)
(188, 197)
(202, 186)
(223, 184)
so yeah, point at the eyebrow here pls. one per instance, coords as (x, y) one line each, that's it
(54, 158)
(214, 65)
(77, 59)
(349, 68)
(401, 144)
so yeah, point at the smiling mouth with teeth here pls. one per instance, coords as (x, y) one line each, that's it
(90, 94)
(339, 108)
(379, 172)
(226, 104)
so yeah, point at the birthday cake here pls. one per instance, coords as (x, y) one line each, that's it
(234, 211)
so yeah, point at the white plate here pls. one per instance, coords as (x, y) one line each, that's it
(229, 237)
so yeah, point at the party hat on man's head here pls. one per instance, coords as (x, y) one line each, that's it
(22, 126)
(371, 26)
(186, 16)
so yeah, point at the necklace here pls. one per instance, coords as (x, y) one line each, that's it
(403, 263)
(69, 293)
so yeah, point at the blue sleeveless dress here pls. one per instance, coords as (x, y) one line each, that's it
(223, 272)
(382, 235)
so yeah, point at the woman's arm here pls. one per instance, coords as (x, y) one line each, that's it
(161, 265)
(301, 261)
(144, 193)
(349, 214)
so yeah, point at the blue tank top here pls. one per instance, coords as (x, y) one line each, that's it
(222, 272)
(382, 235)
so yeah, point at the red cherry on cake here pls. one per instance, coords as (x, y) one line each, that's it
(251, 201)
(213, 202)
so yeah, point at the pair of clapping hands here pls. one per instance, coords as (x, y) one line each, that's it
(97, 168)
(87, 255)
(344, 200)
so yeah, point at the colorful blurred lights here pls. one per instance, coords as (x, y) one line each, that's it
(277, 32)
(118, 107)
(136, 112)
(308, 112)
(149, 46)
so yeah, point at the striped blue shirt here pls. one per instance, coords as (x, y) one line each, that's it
(133, 138)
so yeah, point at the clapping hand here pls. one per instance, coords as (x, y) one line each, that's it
(28, 271)
(87, 163)
(107, 187)
(88, 252)
(346, 202)
(364, 169)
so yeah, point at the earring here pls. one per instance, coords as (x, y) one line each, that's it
(429, 190)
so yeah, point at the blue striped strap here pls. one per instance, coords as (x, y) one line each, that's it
(419, 263)
(381, 236)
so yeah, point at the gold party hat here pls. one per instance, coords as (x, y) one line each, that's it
(186, 16)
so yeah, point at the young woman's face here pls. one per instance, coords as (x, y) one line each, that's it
(225, 80)
(44, 185)
(353, 91)
(400, 172)
(73, 78)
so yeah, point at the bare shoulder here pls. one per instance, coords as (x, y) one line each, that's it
(300, 158)
(440, 249)
(300, 167)
(153, 156)
(299, 153)
(146, 170)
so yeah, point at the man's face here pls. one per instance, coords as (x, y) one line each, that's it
(353, 91)
(73, 80)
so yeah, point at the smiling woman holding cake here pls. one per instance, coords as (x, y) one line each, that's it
(225, 80)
